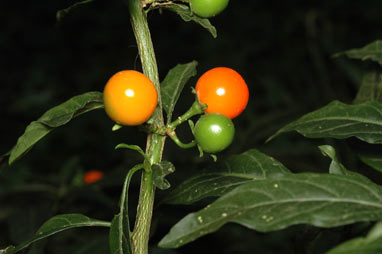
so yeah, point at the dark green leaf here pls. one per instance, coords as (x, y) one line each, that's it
(62, 13)
(173, 84)
(224, 176)
(185, 13)
(339, 120)
(118, 242)
(323, 200)
(373, 161)
(72, 108)
(54, 118)
(371, 88)
(119, 234)
(335, 166)
(132, 147)
(371, 244)
(160, 171)
(372, 51)
(57, 224)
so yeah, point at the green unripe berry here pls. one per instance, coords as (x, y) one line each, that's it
(214, 132)
(208, 8)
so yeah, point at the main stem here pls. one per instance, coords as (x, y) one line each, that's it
(155, 142)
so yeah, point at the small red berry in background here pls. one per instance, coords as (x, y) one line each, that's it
(93, 176)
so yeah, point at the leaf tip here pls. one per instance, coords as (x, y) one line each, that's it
(116, 127)
(168, 244)
(271, 137)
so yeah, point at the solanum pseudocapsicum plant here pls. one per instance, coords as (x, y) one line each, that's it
(252, 188)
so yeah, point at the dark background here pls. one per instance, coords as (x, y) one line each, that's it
(283, 50)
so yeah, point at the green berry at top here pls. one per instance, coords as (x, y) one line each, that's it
(214, 132)
(208, 8)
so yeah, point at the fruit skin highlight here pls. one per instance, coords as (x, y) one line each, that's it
(208, 8)
(130, 98)
(214, 132)
(224, 91)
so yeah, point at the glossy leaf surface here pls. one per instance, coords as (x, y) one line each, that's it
(323, 200)
(339, 120)
(224, 176)
(57, 224)
(53, 118)
(173, 84)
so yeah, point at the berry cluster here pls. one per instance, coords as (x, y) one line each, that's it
(130, 98)
(226, 95)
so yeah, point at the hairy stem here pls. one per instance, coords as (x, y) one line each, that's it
(155, 142)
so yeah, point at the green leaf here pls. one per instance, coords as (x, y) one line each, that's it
(323, 200)
(372, 51)
(116, 127)
(53, 118)
(335, 166)
(339, 120)
(120, 241)
(160, 171)
(173, 84)
(371, 88)
(132, 147)
(62, 13)
(185, 13)
(224, 176)
(373, 161)
(57, 224)
(371, 244)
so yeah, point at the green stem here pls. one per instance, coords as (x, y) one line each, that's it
(175, 138)
(195, 109)
(155, 142)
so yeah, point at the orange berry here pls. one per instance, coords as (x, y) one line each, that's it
(224, 91)
(130, 98)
